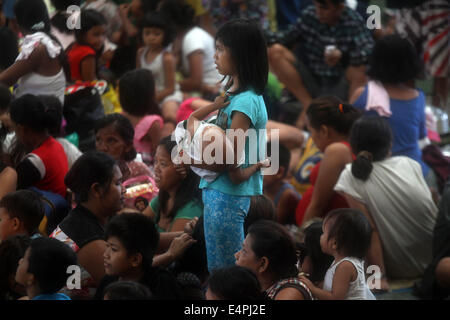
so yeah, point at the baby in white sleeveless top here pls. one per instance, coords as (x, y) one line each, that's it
(346, 236)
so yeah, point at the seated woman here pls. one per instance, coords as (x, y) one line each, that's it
(394, 196)
(329, 122)
(46, 165)
(96, 181)
(39, 67)
(179, 196)
(269, 251)
(394, 65)
(114, 136)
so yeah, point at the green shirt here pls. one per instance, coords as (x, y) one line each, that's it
(190, 210)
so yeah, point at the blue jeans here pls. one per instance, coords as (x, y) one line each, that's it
(224, 226)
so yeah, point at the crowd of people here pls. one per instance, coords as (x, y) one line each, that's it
(111, 112)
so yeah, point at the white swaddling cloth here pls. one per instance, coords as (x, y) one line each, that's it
(193, 147)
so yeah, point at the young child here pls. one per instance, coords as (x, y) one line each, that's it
(83, 54)
(315, 263)
(227, 204)
(132, 240)
(21, 212)
(157, 35)
(195, 137)
(137, 98)
(11, 251)
(261, 208)
(43, 269)
(346, 236)
(233, 283)
(281, 192)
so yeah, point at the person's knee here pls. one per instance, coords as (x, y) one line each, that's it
(443, 272)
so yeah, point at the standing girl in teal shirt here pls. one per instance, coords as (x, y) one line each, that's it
(241, 55)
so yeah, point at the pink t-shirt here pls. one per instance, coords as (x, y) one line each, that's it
(141, 130)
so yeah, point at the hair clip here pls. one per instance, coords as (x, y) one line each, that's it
(341, 108)
(366, 154)
(38, 26)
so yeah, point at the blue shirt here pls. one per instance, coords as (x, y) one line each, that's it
(51, 296)
(253, 106)
(407, 123)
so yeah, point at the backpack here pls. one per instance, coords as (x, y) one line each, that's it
(82, 108)
(439, 163)
(56, 209)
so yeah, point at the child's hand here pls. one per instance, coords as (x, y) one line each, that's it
(107, 56)
(307, 282)
(264, 164)
(189, 227)
(124, 10)
(333, 57)
(182, 170)
(179, 245)
(220, 102)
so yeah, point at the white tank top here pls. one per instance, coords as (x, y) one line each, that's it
(157, 69)
(36, 84)
(193, 146)
(358, 289)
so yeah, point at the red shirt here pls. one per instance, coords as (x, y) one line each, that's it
(75, 54)
(53, 166)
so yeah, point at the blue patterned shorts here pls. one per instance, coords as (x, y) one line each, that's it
(224, 226)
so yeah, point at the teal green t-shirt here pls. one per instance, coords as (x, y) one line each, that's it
(253, 106)
(190, 210)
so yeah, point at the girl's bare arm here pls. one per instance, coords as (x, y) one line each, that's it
(169, 73)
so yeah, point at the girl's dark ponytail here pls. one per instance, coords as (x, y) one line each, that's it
(370, 139)
(362, 166)
(332, 112)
